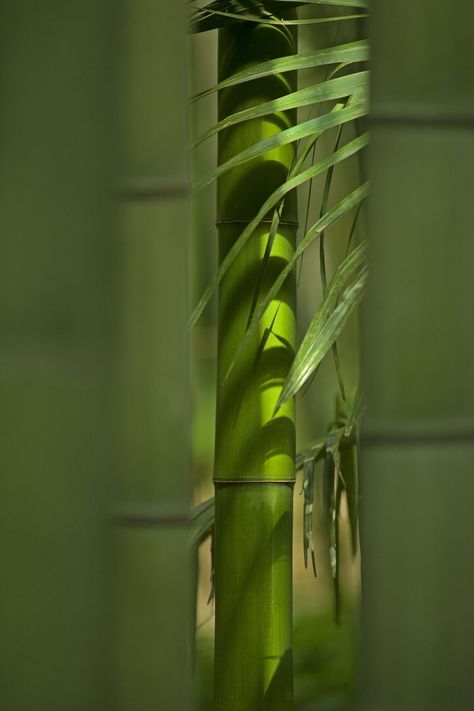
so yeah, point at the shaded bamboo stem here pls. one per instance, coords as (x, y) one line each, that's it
(254, 463)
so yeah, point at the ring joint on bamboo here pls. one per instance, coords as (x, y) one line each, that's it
(143, 189)
(146, 516)
(282, 223)
(253, 481)
(435, 116)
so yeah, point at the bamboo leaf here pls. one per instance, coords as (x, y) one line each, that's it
(339, 3)
(338, 284)
(335, 534)
(308, 489)
(330, 509)
(322, 262)
(334, 482)
(321, 334)
(282, 138)
(201, 522)
(313, 451)
(331, 89)
(217, 19)
(348, 463)
(356, 412)
(212, 579)
(340, 155)
(343, 55)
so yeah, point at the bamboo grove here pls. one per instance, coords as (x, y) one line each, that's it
(95, 593)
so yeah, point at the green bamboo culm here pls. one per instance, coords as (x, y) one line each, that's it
(255, 448)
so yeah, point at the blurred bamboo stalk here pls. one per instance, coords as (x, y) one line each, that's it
(418, 452)
(56, 277)
(153, 614)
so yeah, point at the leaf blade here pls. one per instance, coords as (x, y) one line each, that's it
(325, 91)
(347, 53)
(282, 138)
(317, 344)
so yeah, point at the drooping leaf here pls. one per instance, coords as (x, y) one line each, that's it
(308, 490)
(201, 522)
(313, 451)
(343, 55)
(322, 333)
(349, 468)
(213, 569)
(334, 486)
(329, 505)
(336, 538)
(343, 153)
(283, 138)
(322, 261)
(355, 413)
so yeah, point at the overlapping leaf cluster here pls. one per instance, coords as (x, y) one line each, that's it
(339, 99)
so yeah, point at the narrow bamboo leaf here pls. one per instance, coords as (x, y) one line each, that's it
(339, 283)
(322, 262)
(334, 483)
(336, 576)
(339, 3)
(332, 448)
(337, 287)
(338, 68)
(308, 489)
(343, 55)
(355, 413)
(201, 522)
(283, 138)
(348, 463)
(213, 569)
(330, 509)
(343, 153)
(331, 89)
(268, 249)
(313, 451)
(208, 23)
(318, 343)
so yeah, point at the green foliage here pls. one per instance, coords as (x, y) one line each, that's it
(346, 53)
(255, 127)
(343, 294)
(338, 305)
(222, 13)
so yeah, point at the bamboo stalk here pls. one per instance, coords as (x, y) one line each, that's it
(153, 601)
(56, 274)
(418, 447)
(254, 462)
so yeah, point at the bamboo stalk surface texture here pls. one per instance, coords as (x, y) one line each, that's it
(254, 463)
(56, 276)
(153, 615)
